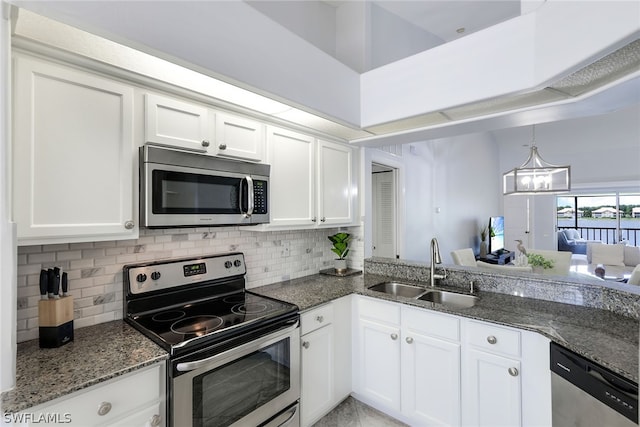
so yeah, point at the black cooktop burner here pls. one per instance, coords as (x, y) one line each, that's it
(207, 319)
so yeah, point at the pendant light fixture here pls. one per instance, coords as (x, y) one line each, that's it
(536, 176)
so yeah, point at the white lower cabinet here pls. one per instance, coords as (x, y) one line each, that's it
(136, 399)
(325, 358)
(430, 368)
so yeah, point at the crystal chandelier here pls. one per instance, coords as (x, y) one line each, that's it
(536, 176)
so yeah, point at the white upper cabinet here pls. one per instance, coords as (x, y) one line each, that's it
(311, 181)
(195, 127)
(239, 138)
(292, 181)
(335, 191)
(73, 155)
(175, 123)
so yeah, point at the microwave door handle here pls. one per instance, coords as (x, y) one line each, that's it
(250, 197)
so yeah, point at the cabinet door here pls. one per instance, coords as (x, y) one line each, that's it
(239, 138)
(492, 390)
(430, 380)
(74, 159)
(378, 364)
(175, 123)
(317, 374)
(335, 191)
(291, 199)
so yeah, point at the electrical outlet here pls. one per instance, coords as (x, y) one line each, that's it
(286, 251)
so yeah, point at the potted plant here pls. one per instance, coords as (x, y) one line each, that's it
(341, 248)
(538, 262)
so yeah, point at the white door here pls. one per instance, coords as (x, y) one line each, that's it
(73, 155)
(378, 377)
(492, 391)
(384, 213)
(292, 179)
(518, 217)
(317, 374)
(334, 178)
(239, 138)
(174, 123)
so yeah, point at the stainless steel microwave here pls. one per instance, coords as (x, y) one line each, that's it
(184, 189)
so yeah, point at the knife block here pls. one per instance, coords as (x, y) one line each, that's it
(55, 320)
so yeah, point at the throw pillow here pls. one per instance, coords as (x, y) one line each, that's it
(631, 256)
(608, 255)
(590, 246)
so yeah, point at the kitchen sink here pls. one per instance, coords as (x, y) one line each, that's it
(452, 299)
(398, 289)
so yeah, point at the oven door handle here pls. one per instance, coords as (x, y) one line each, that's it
(196, 364)
(283, 420)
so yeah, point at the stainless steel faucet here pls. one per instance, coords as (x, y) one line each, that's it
(435, 259)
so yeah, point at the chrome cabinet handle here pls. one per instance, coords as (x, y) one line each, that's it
(205, 143)
(314, 219)
(305, 344)
(513, 372)
(491, 339)
(129, 225)
(394, 336)
(104, 408)
(155, 420)
(222, 146)
(320, 319)
(409, 340)
(323, 219)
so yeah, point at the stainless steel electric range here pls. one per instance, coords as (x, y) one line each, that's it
(234, 355)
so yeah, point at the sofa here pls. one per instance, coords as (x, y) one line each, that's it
(569, 240)
(618, 260)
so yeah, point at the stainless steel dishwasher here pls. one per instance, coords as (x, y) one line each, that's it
(586, 394)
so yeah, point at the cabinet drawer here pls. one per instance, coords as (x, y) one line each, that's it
(495, 339)
(432, 324)
(124, 395)
(387, 312)
(316, 318)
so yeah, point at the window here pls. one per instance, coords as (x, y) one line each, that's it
(611, 218)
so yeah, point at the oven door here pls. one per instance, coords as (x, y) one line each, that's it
(247, 385)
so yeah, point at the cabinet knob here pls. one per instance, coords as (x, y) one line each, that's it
(305, 344)
(205, 143)
(104, 408)
(155, 420)
(129, 225)
(513, 372)
(323, 219)
(491, 339)
(222, 146)
(394, 336)
(409, 340)
(314, 219)
(320, 319)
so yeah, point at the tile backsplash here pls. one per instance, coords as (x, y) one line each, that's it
(95, 268)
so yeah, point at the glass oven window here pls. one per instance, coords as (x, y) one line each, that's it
(187, 193)
(228, 393)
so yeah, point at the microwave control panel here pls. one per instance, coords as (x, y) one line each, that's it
(260, 197)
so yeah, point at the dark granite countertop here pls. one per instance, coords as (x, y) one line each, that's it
(605, 337)
(98, 353)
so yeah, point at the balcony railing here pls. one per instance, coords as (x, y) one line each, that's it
(607, 234)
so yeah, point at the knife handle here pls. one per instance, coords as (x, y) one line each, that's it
(65, 284)
(50, 279)
(56, 282)
(44, 284)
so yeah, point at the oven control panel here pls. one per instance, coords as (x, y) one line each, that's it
(171, 274)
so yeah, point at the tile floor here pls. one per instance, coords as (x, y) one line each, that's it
(352, 413)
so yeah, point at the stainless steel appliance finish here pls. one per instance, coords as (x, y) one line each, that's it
(182, 189)
(234, 355)
(585, 394)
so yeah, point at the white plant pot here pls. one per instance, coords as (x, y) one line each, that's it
(340, 265)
